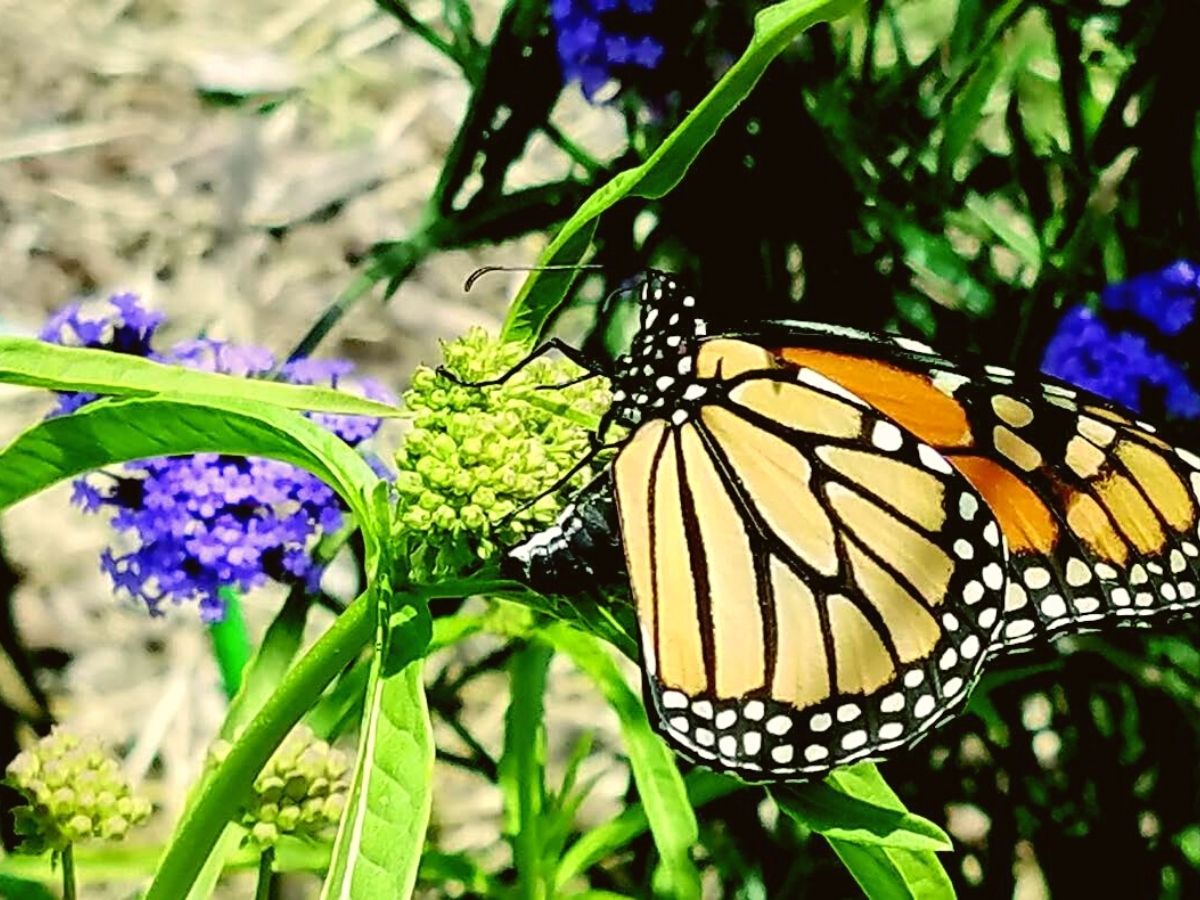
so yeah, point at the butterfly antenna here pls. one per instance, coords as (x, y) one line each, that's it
(484, 270)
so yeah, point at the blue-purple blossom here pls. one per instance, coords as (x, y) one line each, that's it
(125, 328)
(194, 525)
(600, 41)
(1166, 298)
(351, 429)
(1117, 364)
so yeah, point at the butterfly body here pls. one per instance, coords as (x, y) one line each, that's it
(828, 533)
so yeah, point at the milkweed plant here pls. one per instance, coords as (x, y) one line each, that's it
(989, 177)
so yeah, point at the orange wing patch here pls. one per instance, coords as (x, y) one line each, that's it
(1090, 523)
(911, 399)
(1024, 518)
(1133, 515)
(1160, 482)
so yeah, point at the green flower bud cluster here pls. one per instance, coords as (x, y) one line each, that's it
(75, 791)
(300, 792)
(474, 456)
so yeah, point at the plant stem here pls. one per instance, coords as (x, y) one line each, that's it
(68, 872)
(231, 643)
(402, 13)
(205, 819)
(351, 295)
(522, 766)
(266, 875)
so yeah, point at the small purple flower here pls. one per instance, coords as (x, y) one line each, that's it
(603, 41)
(197, 524)
(1166, 298)
(351, 429)
(128, 329)
(1116, 364)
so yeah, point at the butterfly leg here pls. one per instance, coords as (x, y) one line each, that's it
(598, 446)
(571, 353)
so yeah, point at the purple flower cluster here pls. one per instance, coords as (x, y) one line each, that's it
(128, 328)
(198, 524)
(1166, 298)
(601, 41)
(1122, 364)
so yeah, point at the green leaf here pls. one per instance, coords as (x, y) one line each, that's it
(279, 647)
(377, 852)
(836, 813)
(38, 364)
(342, 705)
(105, 433)
(602, 841)
(230, 642)
(774, 29)
(965, 115)
(886, 872)
(668, 810)
(523, 766)
(219, 794)
(1004, 225)
(889, 873)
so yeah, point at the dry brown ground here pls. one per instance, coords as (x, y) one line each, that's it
(115, 174)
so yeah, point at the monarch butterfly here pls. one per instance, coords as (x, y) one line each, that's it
(828, 533)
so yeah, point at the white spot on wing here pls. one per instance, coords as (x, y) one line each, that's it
(674, 700)
(891, 730)
(933, 460)
(784, 753)
(913, 346)
(820, 382)
(949, 382)
(887, 436)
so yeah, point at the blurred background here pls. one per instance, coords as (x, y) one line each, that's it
(955, 170)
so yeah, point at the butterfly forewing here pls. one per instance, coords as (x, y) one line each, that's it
(813, 585)
(1100, 514)
(1107, 524)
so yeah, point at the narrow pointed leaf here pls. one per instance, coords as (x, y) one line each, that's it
(378, 848)
(660, 786)
(109, 432)
(38, 364)
(774, 30)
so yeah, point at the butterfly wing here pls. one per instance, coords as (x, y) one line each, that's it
(1099, 512)
(827, 532)
(813, 585)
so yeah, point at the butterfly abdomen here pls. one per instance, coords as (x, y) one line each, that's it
(581, 551)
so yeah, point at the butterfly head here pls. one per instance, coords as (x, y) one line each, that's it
(659, 367)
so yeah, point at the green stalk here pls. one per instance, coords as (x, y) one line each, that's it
(402, 13)
(68, 869)
(231, 642)
(523, 765)
(266, 875)
(203, 823)
(332, 315)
